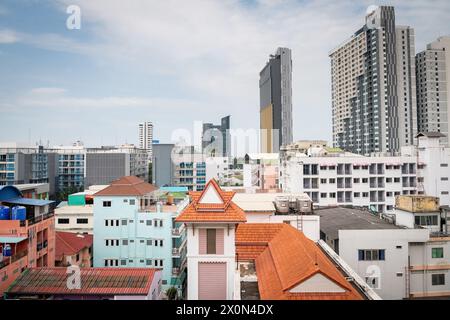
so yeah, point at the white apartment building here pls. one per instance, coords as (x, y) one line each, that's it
(75, 219)
(433, 87)
(396, 261)
(342, 178)
(146, 137)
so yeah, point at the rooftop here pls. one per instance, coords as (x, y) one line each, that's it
(340, 218)
(263, 202)
(287, 263)
(127, 186)
(212, 205)
(68, 244)
(94, 281)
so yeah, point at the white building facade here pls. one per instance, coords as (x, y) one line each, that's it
(374, 182)
(146, 137)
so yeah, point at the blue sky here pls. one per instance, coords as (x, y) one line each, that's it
(172, 63)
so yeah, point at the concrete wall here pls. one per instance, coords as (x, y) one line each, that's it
(392, 282)
(162, 167)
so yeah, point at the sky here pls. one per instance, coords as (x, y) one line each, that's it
(173, 63)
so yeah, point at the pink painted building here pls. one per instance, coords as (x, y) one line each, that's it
(27, 240)
(211, 219)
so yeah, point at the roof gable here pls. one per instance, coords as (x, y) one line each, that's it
(211, 195)
(317, 283)
(212, 205)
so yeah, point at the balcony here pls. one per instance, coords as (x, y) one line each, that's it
(37, 219)
(175, 271)
(176, 252)
(8, 260)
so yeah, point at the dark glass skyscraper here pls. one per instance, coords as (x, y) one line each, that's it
(275, 92)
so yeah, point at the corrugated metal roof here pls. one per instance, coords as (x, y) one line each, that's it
(11, 239)
(94, 281)
(30, 202)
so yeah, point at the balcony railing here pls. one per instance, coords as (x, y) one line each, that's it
(176, 252)
(37, 219)
(13, 258)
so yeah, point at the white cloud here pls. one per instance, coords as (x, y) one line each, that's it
(215, 49)
(47, 90)
(58, 98)
(8, 36)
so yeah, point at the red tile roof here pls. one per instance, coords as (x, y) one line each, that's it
(227, 211)
(284, 258)
(68, 244)
(94, 281)
(127, 186)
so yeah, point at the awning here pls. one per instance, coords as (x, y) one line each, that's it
(29, 202)
(11, 239)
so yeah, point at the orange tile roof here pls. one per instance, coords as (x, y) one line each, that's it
(227, 211)
(127, 186)
(284, 257)
(94, 281)
(68, 244)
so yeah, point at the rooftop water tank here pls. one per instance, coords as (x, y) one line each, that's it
(19, 213)
(5, 213)
(7, 252)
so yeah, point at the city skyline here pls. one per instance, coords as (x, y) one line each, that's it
(104, 65)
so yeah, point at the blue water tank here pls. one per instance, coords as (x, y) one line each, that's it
(7, 252)
(5, 213)
(18, 213)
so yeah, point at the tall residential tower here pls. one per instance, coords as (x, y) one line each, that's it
(275, 92)
(373, 86)
(146, 137)
(433, 88)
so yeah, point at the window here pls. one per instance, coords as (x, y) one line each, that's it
(132, 202)
(426, 220)
(323, 180)
(111, 242)
(210, 241)
(149, 242)
(123, 262)
(444, 165)
(111, 262)
(323, 195)
(124, 242)
(111, 223)
(438, 279)
(107, 204)
(78, 257)
(332, 180)
(82, 221)
(149, 222)
(437, 253)
(148, 262)
(371, 255)
(124, 222)
(63, 221)
(333, 195)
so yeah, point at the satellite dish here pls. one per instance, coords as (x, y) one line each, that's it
(371, 9)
